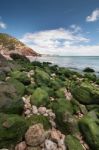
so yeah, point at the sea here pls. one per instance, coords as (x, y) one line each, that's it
(73, 62)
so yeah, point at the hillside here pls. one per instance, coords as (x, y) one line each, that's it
(9, 44)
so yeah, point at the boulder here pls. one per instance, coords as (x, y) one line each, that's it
(35, 135)
(10, 100)
(35, 119)
(12, 129)
(20, 88)
(39, 97)
(89, 126)
(63, 109)
(86, 93)
(72, 143)
(41, 77)
(21, 76)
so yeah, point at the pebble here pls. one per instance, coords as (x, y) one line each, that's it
(34, 110)
(27, 112)
(49, 145)
(42, 110)
(21, 146)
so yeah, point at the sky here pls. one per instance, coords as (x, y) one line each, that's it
(59, 27)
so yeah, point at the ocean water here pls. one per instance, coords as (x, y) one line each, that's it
(74, 62)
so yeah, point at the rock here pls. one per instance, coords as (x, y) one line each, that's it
(34, 148)
(89, 126)
(41, 77)
(90, 76)
(20, 88)
(34, 109)
(72, 143)
(35, 135)
(42, 110)
(10, 100)
(21, 76)
(61, 107)
(35, 119)
(86, 93)
(21, 146)
(49, 145)
(39, 97)
(56, 135)
(12, 129)
(27, 112)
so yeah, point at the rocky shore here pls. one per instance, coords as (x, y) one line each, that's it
(46, 107)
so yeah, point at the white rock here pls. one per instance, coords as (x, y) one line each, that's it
(49, 145)
(27, 112)
(34, 110)
(42, 110)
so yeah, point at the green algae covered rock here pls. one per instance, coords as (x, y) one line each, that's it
(72, 143)
(90, 76)
(10, 100)
(21, 76)
(60, 93)
(86, 93)
(39, 97)
(41, 77)
(89, 126)
(63, 110)
(2, 75)
(20, 88)
(35, 119)
(12, 129)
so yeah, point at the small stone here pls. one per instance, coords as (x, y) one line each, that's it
(42, 110)
(51, 114)
(35, 135)
(34, 110)
(27, 106)
(49, 145)
(27, 112)
(46, 115)
(21, 146)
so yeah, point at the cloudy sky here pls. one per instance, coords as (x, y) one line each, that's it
(60, 27)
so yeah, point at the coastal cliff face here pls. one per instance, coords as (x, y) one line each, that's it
(9, 44)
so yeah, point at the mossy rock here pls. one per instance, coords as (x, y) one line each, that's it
(60, 93)
(90, 76)
(93, 107)
(35, 119)
(86, 93)
(41, 77)
(10, 101)
(20, 88)
(72, 143)
(88, 69)
(63, 110)
(21, 76)
(2, 75)
(56, 83)
(30, 88)
(89, 126)
(12, 130)
(39, 97)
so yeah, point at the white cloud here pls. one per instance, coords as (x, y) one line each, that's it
(94, 16)
(60, 42)
(2, 25)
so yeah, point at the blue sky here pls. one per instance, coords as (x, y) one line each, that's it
(65, 27)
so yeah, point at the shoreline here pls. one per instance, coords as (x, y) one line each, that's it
(51, 106)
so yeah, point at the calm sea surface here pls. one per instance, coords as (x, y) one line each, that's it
(75, 62)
